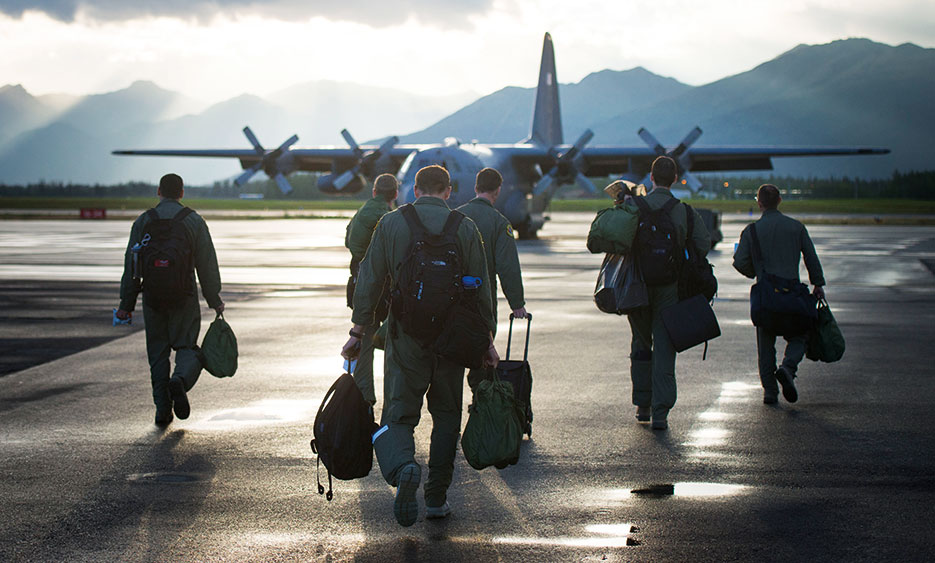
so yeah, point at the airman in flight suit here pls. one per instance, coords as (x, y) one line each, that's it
(411, 370)
(499, 248)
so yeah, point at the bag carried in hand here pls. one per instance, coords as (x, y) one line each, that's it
(691, 322)
(166, 261)
(620, 287)
(697, 276)
(780, 305)
(343, 429)
(518, 374)
(429, 278)
(494, 430)
(825, 340)
(656, 247)
(219, 349)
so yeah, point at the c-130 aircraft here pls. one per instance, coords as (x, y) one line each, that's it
(532, 169)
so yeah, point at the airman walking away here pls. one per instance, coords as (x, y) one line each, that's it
(168, 244)
(499, 248)
(783, 240)
(412, 369)
(357, 240)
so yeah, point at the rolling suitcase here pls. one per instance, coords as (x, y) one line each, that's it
(518, 374)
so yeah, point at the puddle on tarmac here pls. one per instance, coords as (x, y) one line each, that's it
(688, 489)
(602, 535)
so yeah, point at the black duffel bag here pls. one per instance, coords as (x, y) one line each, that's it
(780, 305)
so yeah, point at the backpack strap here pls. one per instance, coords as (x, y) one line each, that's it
(416, 226)
(182, 214)
(641, 203)
(152, 214)
(452, 223)
(755, 248)
(670, 205)
(689, 239)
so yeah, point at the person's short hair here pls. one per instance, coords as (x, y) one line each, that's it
(768, 196)
(170, 186)
(664, 171)
(386, 186)
(488, 180)
(432, 180)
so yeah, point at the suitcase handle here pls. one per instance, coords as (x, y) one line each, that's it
(509, 338)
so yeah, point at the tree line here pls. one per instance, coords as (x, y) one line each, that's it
(909, 185)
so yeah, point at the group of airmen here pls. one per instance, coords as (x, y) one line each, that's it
(378, 238)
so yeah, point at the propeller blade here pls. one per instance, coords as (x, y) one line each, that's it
(692, 181)
(344, 179)
(253, 141)
(686, 142)
(351, 142)
(651, 141)
(288, 143)
(579, 144)
(248, 173)
(283, 184)
(545, 183)
(585, 183)
(388, 144)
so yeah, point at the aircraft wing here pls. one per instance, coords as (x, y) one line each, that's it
(608, 160)
(319, 159)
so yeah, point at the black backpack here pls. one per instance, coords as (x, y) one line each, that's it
(428, 281)
(697, 275)
(166, 260)
(343, 429)
(657, 249)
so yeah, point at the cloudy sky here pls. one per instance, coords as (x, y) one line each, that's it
(216, 49)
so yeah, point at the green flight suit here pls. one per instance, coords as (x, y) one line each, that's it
(412, 371)
(174, 329)
(783, 240)
(502, 261)
(359, 232)
(652, 356)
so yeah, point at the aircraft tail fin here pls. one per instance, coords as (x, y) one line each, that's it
(547, 117)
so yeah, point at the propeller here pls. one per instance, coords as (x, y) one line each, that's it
(364, 164)
(567, 168)
(679, 154)
(275, 163)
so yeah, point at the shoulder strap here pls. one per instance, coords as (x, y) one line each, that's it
(452, 223)
(152, 214)
(416, 227)
(641, 203)
(182, 214)
(669, 205)
(757, 251)
(689, 239)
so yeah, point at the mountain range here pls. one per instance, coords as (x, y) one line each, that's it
(848, 92)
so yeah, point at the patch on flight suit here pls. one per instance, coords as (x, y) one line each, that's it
(509, 229)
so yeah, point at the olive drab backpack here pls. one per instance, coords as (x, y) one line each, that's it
(657, 249)
(428, 282)
(166, 260)
(697, 276)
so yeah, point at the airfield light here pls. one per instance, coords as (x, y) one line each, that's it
(726, 184)
(684, 181)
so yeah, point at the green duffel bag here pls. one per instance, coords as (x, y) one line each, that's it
(219, 349)
(825, 340)
(494, 430)
(613, 231)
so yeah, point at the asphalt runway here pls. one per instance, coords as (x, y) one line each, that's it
(845, 474)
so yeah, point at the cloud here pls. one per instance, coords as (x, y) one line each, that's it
(380, 13)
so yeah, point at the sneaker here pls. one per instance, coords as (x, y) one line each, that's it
(660, 424)
(643, 414)
(163, 417)
(784, 377)
(179, 398)
(406, 507)
(437, 511)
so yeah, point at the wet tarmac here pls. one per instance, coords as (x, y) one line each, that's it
(845, 474)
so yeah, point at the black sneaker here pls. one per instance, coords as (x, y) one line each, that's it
(163, 416)
(785, 380)
(179, 398)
